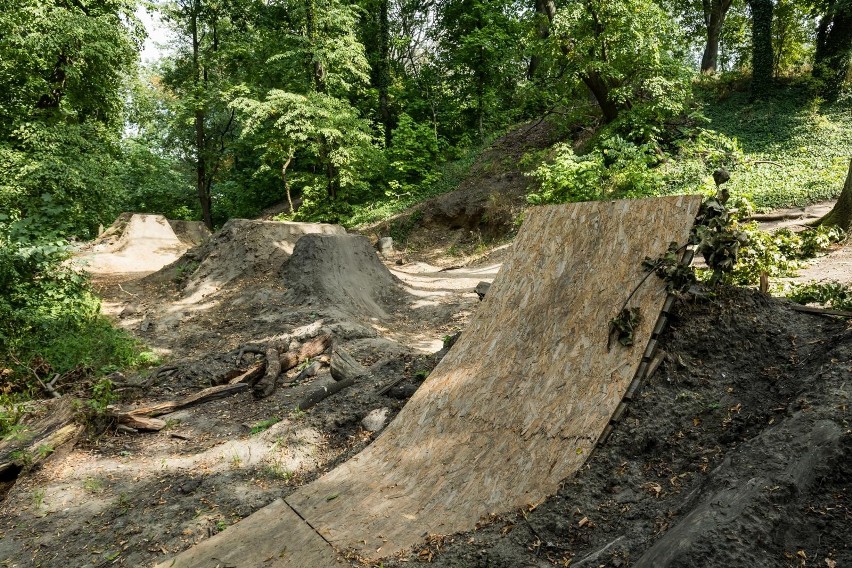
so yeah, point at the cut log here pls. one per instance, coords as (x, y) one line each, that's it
(42, 432)
(344, 367)
(322, 393)
(140, 422)
(312, 348)
(267, 385)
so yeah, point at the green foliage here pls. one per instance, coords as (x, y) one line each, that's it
(779, 253)
(833, 295)
(48, 316)
(806, 141)
(263, 425)
(623, 326)
(634, 53)
(617, 168)
(102, 396)
(412, 156)
(677, 276)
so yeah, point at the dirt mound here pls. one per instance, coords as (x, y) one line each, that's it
(343, 271)
(134, 243)
(735, 453)
(242, 249)
(192, 233)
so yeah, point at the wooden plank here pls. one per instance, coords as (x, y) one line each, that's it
(518, 403)
(249, 544)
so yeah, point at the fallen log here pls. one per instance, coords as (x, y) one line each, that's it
(141, 418)
(312, 348)
(344, 367)
(277, 364)
(323, 392)
(40, 434)
(820, 311)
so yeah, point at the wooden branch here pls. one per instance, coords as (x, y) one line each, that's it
(140, 418)
(266, 385)
(322, 393)
(344, 367)
(820, 311)
(384, 390)
(250, 376)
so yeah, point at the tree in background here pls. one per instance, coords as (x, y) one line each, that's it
(833, 46)
(630, 55)
(62, 70)
(714, 12)
(762, 54)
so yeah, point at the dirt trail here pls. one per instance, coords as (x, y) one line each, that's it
(133, 499)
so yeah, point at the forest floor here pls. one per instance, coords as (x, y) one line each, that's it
(736, 452)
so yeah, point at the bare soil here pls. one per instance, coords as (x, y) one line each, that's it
(736, 452)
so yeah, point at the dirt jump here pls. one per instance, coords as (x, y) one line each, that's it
(515, 407)
(140, 243)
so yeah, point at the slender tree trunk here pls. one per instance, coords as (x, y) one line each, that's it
(286, 181)
(545, 12)
(841, 214)
(316, 62)
(384, 78)
(762, 54)
(714, 18)
(201, 181)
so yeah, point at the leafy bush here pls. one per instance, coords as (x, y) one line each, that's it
(830, 294)
(50, 321)
(780, 253)
(616, 168)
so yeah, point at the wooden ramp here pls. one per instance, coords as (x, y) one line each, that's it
(518, 403)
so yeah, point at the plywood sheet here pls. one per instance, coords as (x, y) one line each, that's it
(520, 400)
(273, 537)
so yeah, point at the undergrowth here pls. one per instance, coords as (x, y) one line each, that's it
(50, 322)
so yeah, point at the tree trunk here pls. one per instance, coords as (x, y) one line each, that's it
(714, 18)
(841, 214)
(286, 181)
(316, 62)
(384, 78)
(600, 90)
(201, 184)
(545, 12)
(762, 54)
(833, 48)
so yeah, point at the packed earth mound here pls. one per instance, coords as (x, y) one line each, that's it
(138, 243)
(242, 248)
(342, 271)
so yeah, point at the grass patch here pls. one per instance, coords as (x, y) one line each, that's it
(811, 140)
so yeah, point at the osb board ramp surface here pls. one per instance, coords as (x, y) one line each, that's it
(273, 537)
(520, 400)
